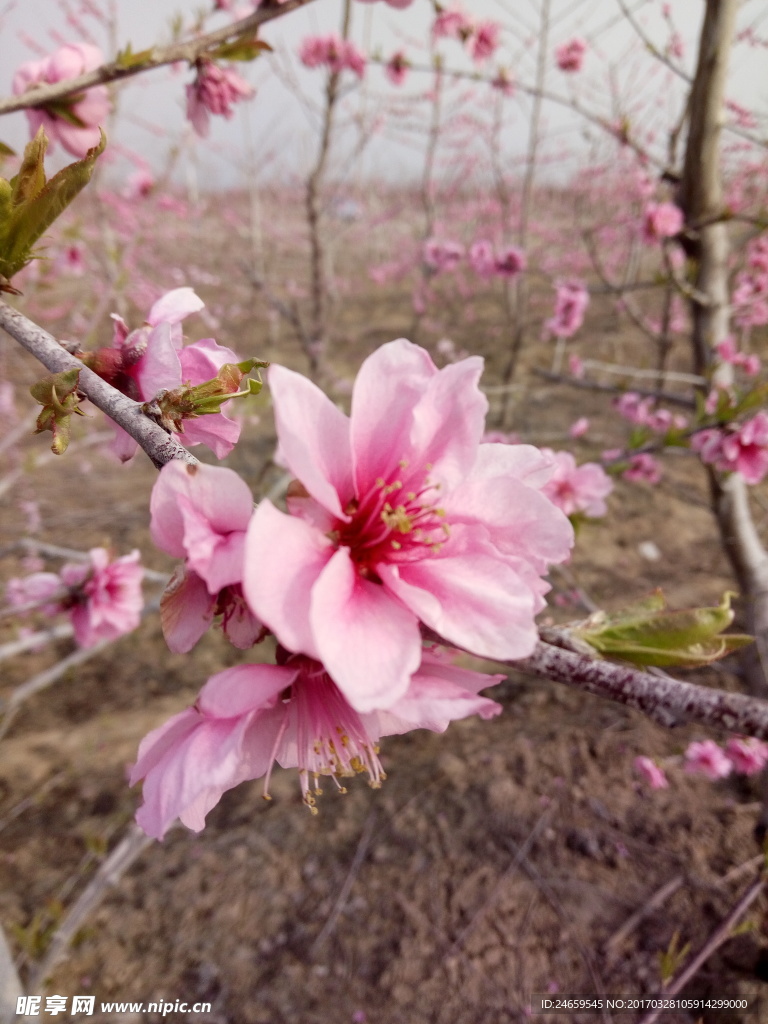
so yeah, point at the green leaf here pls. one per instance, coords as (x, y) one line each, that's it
(245, 47)
(647, 633)
(6, 151)
(171, 408)
(57, 394)
(128, 59)
(29, 204)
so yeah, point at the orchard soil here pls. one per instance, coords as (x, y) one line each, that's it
(501, 859)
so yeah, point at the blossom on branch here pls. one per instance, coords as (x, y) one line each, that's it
(577, 488)
(251, 717)
(214, 91)
(736, 448)
(705, 757)
(400, 516)
(570, 56)
(200, 513)
(571, 301)
(73, 121)
(333, 52)
(662, 220)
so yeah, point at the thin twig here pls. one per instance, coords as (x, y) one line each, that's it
(619, 937)
(156, 57)
(720, 935)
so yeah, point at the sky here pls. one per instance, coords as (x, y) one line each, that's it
(276, 134)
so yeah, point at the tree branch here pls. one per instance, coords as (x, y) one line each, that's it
(669, 702)
(159, 446)
(157, 57)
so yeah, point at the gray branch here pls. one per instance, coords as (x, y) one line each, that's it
(669, 702)
(159, 446)
(156, 57)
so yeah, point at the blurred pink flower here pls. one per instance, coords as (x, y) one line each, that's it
(74, 122)
(214, 91)
(400, 516)
(105, 599)
(707, 758)
(139, 185)
(397, 68)
(643, 468)
(579, 427)
(575, 366)
(200, 513)
(485, 40)
(662, 220)
(250, 717)
(736, 448)
(442, 256)
(39, 590)
(570, 56)
(577, 488)
(453, 24)
(333, 52)
(571, 301)
(651, 773)
(482, 258)
(747, 754)
(509, 262)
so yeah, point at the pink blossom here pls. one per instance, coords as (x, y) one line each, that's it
(707, 758)
(139, 185)
(152, 358)
(214, 91)
(43, 590)
(333, 52)
(571, 301)
(250, 717)
(728, 353)
(643, 468)
(200, 513)
(675, 46)
(570, 56)
(397, 68)
(747, 754)
(400, 516)
(577, 488)
(651, 773)
(510, 262)
(106, 599)
(72, 260)
(579, 427)
(442, 256)
(633, 407)
(482, 258)
(662, 220)
(485, 40)
(736, 448)
(453, 24)
(73, 122)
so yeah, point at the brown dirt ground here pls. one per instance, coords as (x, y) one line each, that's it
(498, 860)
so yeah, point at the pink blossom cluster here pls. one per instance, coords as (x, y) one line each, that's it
(577, 489)
(742, 755)
(73, 123)
(214, 91)
(482, 37)
(661, 220)
(644, 413)
(571, 301)
(396, 68)
(748, 362)
(153, 358)
(736, 447)
(400, 520)
(442, 256)
(102, 597)
(489, 262)
(570, 56)
(750, 296)
(333, 52)
(643, 468)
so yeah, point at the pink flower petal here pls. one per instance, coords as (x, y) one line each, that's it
(314, 438)
(174, 306)
(284, 556)
(186, 610)
(367, 640)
